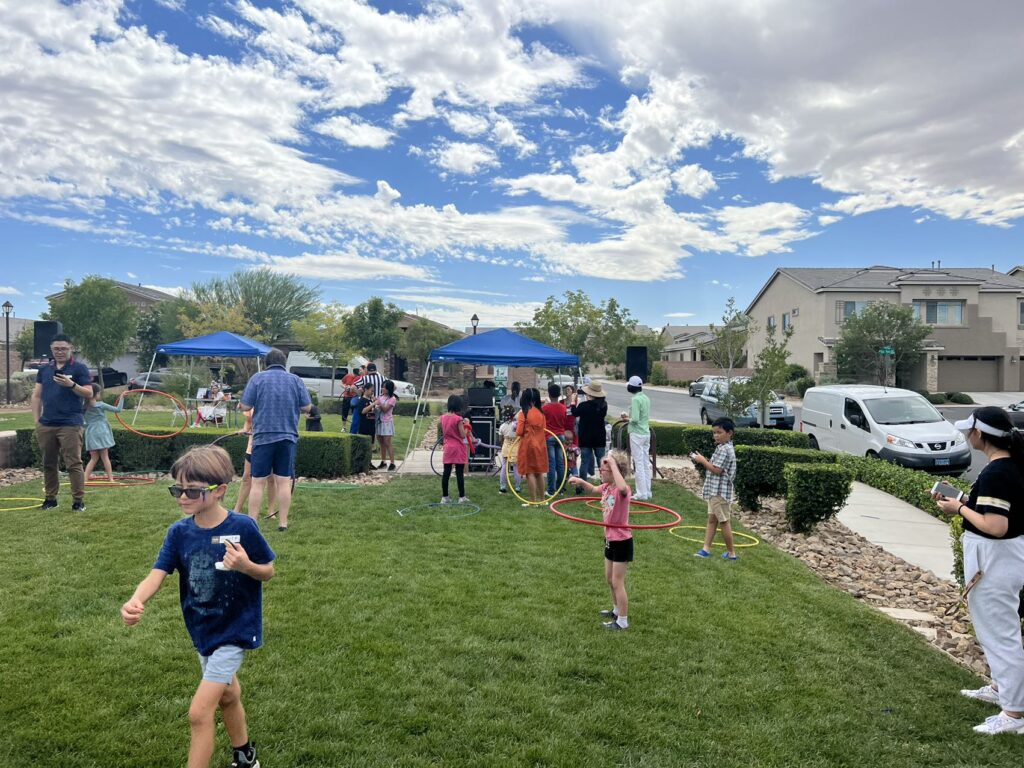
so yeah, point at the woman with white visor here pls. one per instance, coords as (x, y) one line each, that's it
(993, 544)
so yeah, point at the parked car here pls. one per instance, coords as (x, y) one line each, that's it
(154, 380)
(317, 378)
(697, 386)
(883, 422)
(1016, 414)
(780, 413)
(111, 377)
(561, 379)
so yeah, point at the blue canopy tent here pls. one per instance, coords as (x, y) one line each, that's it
(497, 347)
(219, 344)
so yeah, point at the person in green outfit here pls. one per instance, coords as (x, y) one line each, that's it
(639, 437)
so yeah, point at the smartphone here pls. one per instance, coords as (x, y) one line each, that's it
(945, 489)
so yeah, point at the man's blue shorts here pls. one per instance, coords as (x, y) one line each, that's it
(274, 459)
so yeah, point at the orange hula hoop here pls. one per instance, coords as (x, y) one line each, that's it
(169, 396)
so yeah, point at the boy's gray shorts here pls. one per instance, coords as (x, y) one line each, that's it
(221, 665)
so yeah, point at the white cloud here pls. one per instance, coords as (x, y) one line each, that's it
(506, 135)
(455, 311)
(466, 123)
(534, 279)
(132, 275)
(765, 228)
(355, 132)
(681, 315)
(347, 266)
(464, 157)
(693, 180)
(173, 5)
(9, 290)
(824, 221)
(172, 290)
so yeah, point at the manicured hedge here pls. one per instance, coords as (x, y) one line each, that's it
(911, 485)
(759, 470)
(682, 439)
(405, 407)
(814, 492)
(317, 455)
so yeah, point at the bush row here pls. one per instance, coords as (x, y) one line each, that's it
(911, 485)
(682, 439)
(939, 398)
(317, 454)
(402, 407)
(760, 470)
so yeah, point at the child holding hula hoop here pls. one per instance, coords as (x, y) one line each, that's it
(222, 560)
(618, 540)
(718, 487)
(99, 437)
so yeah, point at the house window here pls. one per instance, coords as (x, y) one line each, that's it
(847, 309)
(939, 312)
(1020, 313)
(786, 322)
(771, 319)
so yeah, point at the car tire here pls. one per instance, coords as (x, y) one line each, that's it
(872, 455)
(813, 442)
(691, 392)
(704, 416)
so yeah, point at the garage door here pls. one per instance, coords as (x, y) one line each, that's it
(969, 374)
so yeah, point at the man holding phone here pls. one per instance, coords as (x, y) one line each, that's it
(57, 408)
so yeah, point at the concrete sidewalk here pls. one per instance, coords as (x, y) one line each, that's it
(899, 528)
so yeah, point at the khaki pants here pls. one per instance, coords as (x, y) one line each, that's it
(61, 443)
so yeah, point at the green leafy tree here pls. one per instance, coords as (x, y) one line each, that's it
(771, 369)
(24, 344)
(567, 324)
(322, 335)
(98, 317)
(880, 325)
(372, 327)
(421, 338)
(269, 301)
(729, 340)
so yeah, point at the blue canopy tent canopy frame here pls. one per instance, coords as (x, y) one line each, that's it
(498, 347)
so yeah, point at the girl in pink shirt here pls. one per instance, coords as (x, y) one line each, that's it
(618, 540)
(456, 450)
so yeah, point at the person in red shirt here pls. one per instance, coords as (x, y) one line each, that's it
(348, 381)
(558, 422)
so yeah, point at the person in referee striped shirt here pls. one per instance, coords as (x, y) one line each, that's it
(371, 379)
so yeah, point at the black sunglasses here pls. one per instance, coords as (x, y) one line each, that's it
(190, 493)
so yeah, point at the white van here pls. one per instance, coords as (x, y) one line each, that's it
(315, 376)
(893, 424)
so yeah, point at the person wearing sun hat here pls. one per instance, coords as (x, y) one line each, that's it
(590, 413)
(993, 546)
(639, 437)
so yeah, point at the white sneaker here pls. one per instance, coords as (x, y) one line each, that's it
(1000, 724)
(446, 499)
(463, 500)
(986, 693)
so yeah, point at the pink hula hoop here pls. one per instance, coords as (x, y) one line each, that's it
(554, 508)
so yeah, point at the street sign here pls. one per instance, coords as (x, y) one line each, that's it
(887, 351)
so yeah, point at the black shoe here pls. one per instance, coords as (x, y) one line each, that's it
(49, 504)
(607, 614)
(614, 625)
(78, 506)
(241, 761)
(392, 468)
(282, 528)
(382, 465)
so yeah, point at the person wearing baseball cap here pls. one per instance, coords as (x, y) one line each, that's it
(639, 437)
(993, 545)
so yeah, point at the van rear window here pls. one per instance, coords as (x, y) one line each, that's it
(316, 372)
(902, 410)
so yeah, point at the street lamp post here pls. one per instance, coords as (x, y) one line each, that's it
(8, 308)
(474, 321)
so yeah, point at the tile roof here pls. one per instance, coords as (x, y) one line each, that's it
(883, 278)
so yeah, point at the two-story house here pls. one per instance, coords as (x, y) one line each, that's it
(976, 316)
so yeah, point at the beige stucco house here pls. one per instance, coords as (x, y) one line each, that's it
(976, 315)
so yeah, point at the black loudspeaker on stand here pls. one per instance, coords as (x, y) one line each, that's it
(636, 362)
(483, 429)
(43, 332)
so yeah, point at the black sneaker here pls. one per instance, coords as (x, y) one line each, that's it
(49, 504)
(392, 468)
(382, 465)
(78, 506)
(241, 761)
(607, 614)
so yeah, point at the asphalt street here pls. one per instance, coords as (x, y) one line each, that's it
(681, 408)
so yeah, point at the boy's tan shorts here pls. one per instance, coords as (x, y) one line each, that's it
(720, 508)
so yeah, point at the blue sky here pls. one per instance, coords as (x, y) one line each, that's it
(479, 156)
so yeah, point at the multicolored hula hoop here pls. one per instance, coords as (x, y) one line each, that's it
(654, 507)
(168, 395)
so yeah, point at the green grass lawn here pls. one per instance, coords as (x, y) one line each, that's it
(425, 641)
(162, 419)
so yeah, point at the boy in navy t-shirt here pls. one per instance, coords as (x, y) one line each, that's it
(223, 561)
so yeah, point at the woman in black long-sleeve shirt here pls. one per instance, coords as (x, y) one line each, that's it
(590, 416)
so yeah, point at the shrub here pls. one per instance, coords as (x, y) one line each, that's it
(961, 398)
(814, 492)
(795, 371)
(658, 375)
(760, 470)
(318, 454)
(408, 408)
(22, 384)
(802, 385)
(956, 531)
(936, 398)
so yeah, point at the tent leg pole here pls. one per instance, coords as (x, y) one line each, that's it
(138, 407)
(416, 415)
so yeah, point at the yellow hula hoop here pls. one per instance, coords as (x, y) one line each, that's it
(754, 541)
(558, 490)
(20, 498)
